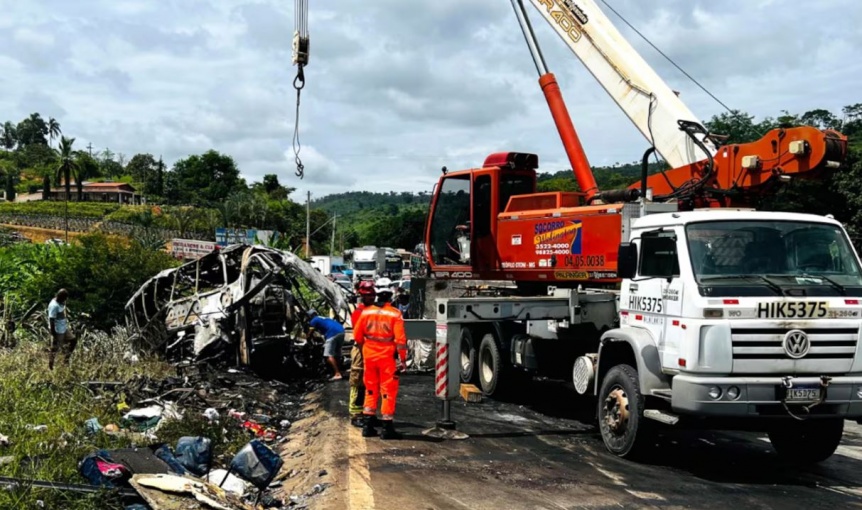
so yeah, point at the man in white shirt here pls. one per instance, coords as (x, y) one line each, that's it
(62, 336)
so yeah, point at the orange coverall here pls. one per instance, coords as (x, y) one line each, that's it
(380, 332)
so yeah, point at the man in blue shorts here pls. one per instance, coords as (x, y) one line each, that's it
(333, 332)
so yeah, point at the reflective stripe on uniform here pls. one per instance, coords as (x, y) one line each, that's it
(379, 339)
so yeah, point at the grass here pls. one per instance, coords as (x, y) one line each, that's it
(30, 395)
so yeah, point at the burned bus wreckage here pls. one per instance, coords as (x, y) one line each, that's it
(245, 304)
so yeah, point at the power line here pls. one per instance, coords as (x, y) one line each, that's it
(690, 77)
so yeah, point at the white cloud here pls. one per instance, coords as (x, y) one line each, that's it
(395, 89)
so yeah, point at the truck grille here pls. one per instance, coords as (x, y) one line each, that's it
(761, 350)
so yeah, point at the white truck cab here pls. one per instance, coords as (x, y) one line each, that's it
(753, 317)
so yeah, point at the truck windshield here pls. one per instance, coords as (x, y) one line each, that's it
(774, 254)
(365, 266)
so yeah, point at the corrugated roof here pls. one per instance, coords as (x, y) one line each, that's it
(101, 187)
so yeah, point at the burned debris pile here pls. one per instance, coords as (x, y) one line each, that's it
(244, 304)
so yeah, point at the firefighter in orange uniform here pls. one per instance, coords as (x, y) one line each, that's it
(380, 333)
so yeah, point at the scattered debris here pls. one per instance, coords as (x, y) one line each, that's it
(100, 469)
(163, 492)
(92, 426)
(257, 464)
(36, 428)
(150, 417)
(10, 483)
(4, 440)
(228, 481)
(195, 454)
(211, 414)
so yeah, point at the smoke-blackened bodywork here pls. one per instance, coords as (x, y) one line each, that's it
(247, 301)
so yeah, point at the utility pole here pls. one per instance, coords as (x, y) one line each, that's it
(90, 148)
(332, 243)
(308, 226)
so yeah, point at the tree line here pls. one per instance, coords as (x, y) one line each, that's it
(37, 152)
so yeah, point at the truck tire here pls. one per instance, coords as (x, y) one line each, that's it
(468, 356)
(807, 442)
(620, 412)
(490, 366)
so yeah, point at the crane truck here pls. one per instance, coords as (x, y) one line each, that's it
(670, 301)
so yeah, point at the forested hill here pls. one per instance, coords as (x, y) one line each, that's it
(351, 202)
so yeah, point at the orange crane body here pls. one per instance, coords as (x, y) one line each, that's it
(489, 223)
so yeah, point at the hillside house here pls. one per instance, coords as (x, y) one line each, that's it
(117, 192)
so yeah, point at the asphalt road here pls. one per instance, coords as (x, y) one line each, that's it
(547, 455)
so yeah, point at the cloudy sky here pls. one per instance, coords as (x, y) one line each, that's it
(396, 88)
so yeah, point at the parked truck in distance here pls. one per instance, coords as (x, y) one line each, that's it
(366, 261)
(371, 262)
(328, 264)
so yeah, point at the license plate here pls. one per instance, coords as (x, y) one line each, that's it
(793, 310)
(803, 394)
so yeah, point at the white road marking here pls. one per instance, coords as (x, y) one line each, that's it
(615, 478)
(360, 494)
(854, 452)
(646, 495)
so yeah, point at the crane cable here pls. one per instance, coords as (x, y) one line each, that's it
(663, 54)
(300, 60)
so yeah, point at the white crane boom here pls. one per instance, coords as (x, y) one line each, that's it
(644, 97)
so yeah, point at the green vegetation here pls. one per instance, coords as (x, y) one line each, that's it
(101, 273)
(31, 395)
(76, 209)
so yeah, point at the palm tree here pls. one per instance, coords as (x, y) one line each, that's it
(85, 168)
(53, 129)
(9, 136)
(68, 163)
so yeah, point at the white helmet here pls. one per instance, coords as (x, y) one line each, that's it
(382, 285)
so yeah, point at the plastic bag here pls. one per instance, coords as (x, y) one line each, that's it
(256, 463)
(165, 454)
(195, 454)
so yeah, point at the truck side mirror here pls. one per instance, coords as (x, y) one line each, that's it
(627, 260)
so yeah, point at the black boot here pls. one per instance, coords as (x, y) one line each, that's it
(368, 429)
(389, 431)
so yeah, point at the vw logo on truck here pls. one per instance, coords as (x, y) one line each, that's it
(796, 343)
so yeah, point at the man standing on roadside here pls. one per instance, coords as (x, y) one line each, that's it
(333, 333)
(62, 337)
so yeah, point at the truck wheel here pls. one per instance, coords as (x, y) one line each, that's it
(620, 412)
(807, 442)
(468, 356)
(490, 365)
